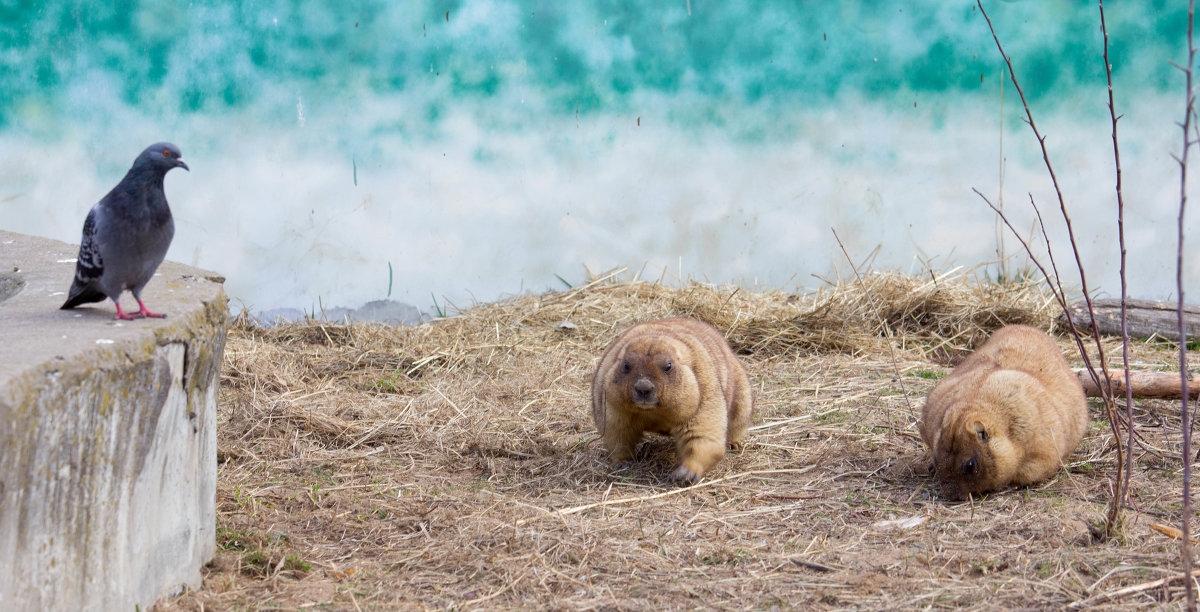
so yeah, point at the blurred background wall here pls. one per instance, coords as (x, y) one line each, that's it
(460, 151)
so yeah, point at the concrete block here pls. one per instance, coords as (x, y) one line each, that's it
(108, 437)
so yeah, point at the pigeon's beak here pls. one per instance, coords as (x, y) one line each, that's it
(181, 164)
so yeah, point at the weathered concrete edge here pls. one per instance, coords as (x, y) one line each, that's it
(117, 507)
(82, 527)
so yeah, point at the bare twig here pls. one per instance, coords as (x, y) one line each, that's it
(1129, 590)
(813, 565)
(630, 500)
(1075, 333)
(1112, 113)
(1109, 404)
(1052, 281)
(1185, 521)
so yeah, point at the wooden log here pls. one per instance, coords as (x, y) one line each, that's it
(1146, 318)
(1147, 385)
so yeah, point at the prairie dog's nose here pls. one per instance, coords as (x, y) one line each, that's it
(643, 387)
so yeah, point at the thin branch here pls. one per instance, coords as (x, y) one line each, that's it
(1056, 289)
(1185, 551)
(1130, 590)
(1052, 281)
(1112, 112)
(1053, 178)
(1109, 403)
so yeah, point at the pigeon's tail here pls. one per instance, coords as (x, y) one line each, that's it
(82, 295)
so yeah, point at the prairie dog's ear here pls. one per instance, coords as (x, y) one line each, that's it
(980, 431)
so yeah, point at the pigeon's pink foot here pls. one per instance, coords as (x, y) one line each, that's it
(121, 316)
(145, 312)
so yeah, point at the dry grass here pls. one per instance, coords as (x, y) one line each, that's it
(455, 465)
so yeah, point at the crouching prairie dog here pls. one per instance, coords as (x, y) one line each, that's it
(1008, 414)
(676, 377)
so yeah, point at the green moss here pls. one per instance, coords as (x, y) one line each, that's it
(10, 285)
(836, 416)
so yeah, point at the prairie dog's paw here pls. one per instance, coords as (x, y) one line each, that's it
(685, 475)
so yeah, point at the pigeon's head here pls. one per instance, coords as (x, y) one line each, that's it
(161, 156)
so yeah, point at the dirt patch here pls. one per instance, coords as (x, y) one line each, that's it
(455, 464)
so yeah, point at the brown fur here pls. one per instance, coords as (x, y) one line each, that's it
(702, 399)
(1008, 414)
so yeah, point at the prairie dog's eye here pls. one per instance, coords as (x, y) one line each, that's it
(969, 467)
(625, 367)
(667, 367)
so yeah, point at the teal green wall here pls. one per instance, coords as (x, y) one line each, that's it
(564, 58)
(329, 139)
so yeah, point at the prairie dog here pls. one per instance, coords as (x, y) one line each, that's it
(1008, 414)
(676, 377)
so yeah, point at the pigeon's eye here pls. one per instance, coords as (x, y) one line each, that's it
(166, 152)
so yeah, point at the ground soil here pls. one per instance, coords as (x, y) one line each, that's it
(455, 465)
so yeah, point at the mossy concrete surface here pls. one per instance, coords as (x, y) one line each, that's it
(107, 435)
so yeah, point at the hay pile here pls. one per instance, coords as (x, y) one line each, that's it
(455, 464)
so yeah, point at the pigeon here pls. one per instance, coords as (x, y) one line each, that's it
(126, 234)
